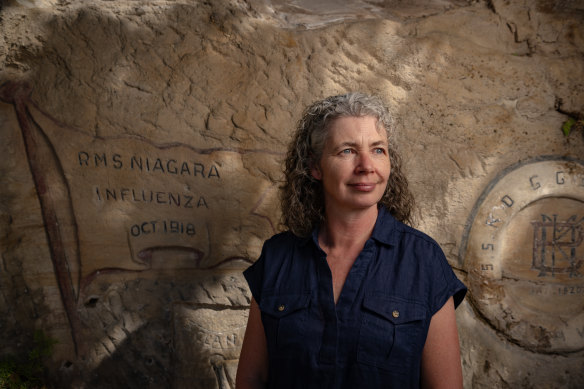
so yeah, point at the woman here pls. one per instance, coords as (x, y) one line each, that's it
(349, 297)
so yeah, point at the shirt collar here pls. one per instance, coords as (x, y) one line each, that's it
(385, 226)
(313, 237)
(383, 230)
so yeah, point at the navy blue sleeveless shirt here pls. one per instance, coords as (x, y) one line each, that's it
(374, 336)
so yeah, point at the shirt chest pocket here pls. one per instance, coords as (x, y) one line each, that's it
(284, 319)
(393, 332)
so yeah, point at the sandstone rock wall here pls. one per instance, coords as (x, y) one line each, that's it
(141, 145)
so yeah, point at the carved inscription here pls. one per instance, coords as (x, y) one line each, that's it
(132, 198)
(162, 226)
(184, 200)
(552, 290)
(123, 203)
(508, 201)
(147, 164)
(219, 341)
(579, 290)
(208, 339)
(525, 252)
(555, 244)
(535, 181)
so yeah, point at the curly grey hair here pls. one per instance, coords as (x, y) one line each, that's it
(301, 196)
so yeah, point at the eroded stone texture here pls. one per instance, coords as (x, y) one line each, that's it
(141, 149)
(207, 340)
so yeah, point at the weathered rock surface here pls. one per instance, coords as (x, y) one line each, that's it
(141, 149)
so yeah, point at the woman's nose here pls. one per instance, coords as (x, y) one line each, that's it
(364, 163)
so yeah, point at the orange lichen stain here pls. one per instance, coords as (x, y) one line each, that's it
(289, 41)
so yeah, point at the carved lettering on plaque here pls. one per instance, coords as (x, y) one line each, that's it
(526, 274)
(126, 204)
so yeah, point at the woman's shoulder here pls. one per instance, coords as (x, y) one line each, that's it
(410, 232)
(283, 240)
(283, 263)
(402, 233)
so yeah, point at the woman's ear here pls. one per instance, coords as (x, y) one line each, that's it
(314, 168)
(315, 171)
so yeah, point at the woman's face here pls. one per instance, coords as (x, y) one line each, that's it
(354, 167)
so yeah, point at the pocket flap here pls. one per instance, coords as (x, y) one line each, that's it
(395, 309)
(283, 304)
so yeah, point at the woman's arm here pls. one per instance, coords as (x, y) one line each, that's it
(441, 366)
(252, 371)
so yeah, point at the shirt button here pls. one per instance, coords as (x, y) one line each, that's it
(281, 307)
(395, 314)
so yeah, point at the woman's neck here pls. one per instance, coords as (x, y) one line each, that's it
(343, 231)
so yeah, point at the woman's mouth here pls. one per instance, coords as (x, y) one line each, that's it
(363, 186)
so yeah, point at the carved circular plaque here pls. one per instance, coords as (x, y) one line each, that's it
(524, 254)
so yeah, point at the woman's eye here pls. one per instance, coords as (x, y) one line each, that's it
(379, 150)
(346, 151)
